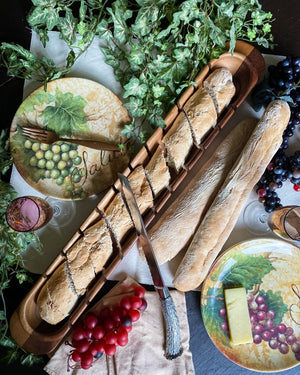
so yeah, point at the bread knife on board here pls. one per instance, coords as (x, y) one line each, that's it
(173, 346)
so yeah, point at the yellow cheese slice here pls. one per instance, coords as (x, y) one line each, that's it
(238, 316)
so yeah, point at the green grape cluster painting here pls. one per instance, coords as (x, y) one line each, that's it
(73, 108)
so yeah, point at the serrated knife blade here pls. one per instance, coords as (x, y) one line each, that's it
(173, 345)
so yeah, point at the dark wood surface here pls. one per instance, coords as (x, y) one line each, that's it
(13, 28)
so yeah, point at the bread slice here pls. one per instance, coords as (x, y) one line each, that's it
(174, 229)
(178, 142)
(141, 188)
(117, 218)
(98, 241)
(80, 266)
(222, 215)
(220, 86)
(201, 113)
(157, 171)
(57, 297)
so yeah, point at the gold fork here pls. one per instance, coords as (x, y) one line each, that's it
(49, 137)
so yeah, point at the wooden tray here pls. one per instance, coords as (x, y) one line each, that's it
(26, 326)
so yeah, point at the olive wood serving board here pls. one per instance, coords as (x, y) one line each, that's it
(26, 326)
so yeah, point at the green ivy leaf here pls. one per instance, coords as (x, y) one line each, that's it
(134, 106)
(66, 115)
(67, 27)
(135, 88)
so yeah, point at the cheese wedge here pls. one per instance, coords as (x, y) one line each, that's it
(238, 316)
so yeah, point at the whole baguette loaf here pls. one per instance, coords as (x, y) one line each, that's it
(176, 226)
(227, 206)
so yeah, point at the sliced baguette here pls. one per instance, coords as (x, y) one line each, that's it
(157, 171)
(141, 188)
(222, 215)
(178, 142)
(177, 224)
(201, 113)
(57, 297)
(80, 266)
(221, 88)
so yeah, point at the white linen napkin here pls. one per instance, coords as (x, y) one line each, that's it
(144, 353)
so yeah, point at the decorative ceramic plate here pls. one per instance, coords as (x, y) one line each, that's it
(269, 271)
(73, 108)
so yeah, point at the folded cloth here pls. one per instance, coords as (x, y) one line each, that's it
(144, 353)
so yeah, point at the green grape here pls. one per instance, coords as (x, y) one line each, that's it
(69, 163)
(35, 146)
(76, 178)
(69, 187)
(33, 161)
(49, 155)
(55, 173)
(65, 156)
(64, 172)
(56, 158)
(47, 173)
(50, 164)
(65, 147)
(82, 172)
(59, 143)
(77, 160)
(41, 163)
(60, 180)
(73, 154)
(39, 154)
(55, 148)
(61, 164)
(73, 169)
(67, 194)
(45, 146)
(78, 190)
(28, 144)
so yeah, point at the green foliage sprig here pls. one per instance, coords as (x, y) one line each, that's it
(156, 47)
(12, 246)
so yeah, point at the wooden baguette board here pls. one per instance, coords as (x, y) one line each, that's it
(26, 326)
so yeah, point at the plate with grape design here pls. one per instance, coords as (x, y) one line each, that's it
(269, 271)
(73, 108)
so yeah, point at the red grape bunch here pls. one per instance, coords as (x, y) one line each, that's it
(263, 328)
(103, 332)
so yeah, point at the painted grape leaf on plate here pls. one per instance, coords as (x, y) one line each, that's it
(275, 302)
(246, 271)
(66, 115)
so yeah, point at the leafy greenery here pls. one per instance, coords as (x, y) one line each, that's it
(12, 245)
(66, 115)
(246, 271)
(156, 47)
(275, 302)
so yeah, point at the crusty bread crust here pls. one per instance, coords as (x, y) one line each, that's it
(177, 224)
(227, 206)
(178, 142)
(221, 88)
(157, 171)
(57, 297)
(201, 113)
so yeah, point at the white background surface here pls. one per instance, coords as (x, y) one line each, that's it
(54, 237)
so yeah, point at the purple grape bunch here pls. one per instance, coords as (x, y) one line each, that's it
(283, 82)
(263, 328)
